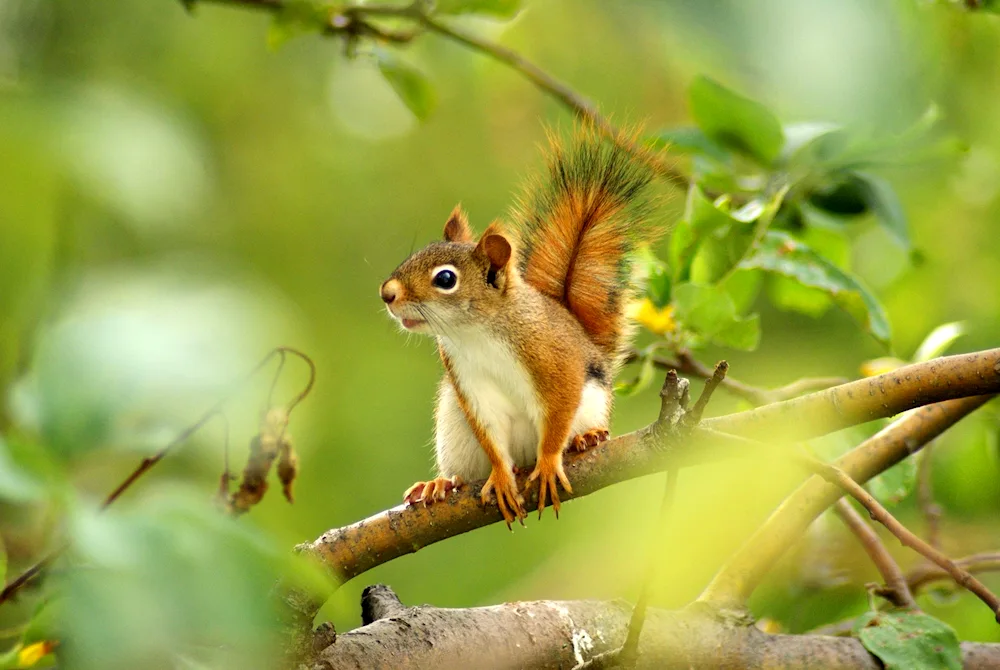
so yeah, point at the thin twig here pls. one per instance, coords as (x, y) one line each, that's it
(838, 477)
(896, 591)
(147, 463)
(919, 578)
(630, 650)
(925, 498)
(353, 21)
(712, 383)
(687, 364)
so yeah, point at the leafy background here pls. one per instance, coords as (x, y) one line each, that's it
(178, 198)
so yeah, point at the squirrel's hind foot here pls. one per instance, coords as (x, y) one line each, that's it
(509, 501)
(434, 490)
(549, 473)
(591, 438)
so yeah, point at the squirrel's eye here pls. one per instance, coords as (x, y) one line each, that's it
(445, 279)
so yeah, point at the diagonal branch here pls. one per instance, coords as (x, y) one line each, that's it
(896, 589)
(838, 477)
(748, 566)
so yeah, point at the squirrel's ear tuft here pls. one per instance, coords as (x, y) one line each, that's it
(457, 228)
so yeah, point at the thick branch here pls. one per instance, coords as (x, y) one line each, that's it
(897, 591)
(868, 399)
(747, 567)
(566, 634)
(353, 549)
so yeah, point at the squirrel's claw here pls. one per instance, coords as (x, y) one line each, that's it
(548, 471)
(591, 438)
(509, 501)
(428, 492)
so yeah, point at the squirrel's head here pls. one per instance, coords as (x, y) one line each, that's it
(451, 284)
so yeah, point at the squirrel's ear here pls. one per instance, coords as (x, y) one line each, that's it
(457, 228)
(496, 249)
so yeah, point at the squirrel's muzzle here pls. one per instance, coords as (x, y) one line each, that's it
(390, 290)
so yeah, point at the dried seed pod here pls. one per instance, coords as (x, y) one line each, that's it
(288, 467)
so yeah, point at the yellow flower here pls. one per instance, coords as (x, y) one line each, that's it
(35, 652)
(659, 320)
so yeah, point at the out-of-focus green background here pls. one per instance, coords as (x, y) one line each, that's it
(176, 199)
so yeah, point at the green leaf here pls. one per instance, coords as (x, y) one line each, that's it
(783, 255)
(742, 334)
(909, 641)
(881, 198)
(15, 484)
(689, 140)
(735, 121)
(743, 287)
(503, 9)
(812, 142)
(843, 195)
(789, 295)
(938, 341)
(655, 274)
(409, 84)
(709, 312)
(701, 218)
(895, 484)
(295, 18)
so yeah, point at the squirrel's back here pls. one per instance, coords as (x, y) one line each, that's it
(577, 228)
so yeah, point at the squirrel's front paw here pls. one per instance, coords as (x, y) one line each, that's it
(547, 471)
(435, 489)
(591, 438)
(509, 501)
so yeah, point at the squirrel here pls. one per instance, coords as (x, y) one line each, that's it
(530, 323)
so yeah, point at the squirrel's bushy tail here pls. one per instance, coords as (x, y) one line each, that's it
(576, 229)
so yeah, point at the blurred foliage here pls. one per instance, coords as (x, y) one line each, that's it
(176, 199)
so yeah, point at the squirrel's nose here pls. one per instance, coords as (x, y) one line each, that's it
(390, 290)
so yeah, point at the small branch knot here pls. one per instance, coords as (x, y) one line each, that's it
(378, 601)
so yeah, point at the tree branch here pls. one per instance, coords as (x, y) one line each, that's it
(748, 566)
(921, 577)
(838, 477)
(868, 399)
(354, 549)
(896, 589)
(570, 634)
(355, 19)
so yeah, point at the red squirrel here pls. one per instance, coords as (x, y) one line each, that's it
(530, 323)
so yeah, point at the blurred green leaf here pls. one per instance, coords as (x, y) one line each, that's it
(689, 140)
(743, 287)
(781, 254)
(788, 295)
(909, 640)
(811, 142)
(295, 18)
(845, 195)
(881, 198)
(171, 578)
(656, 275)
(895, 484)
(15, 484)
(503, 9)
(735, 121)
(3, 562)
(410, 84)
(938, 341)
(743, 333)
(709, 311)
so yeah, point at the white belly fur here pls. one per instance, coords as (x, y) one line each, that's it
(500, 394)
